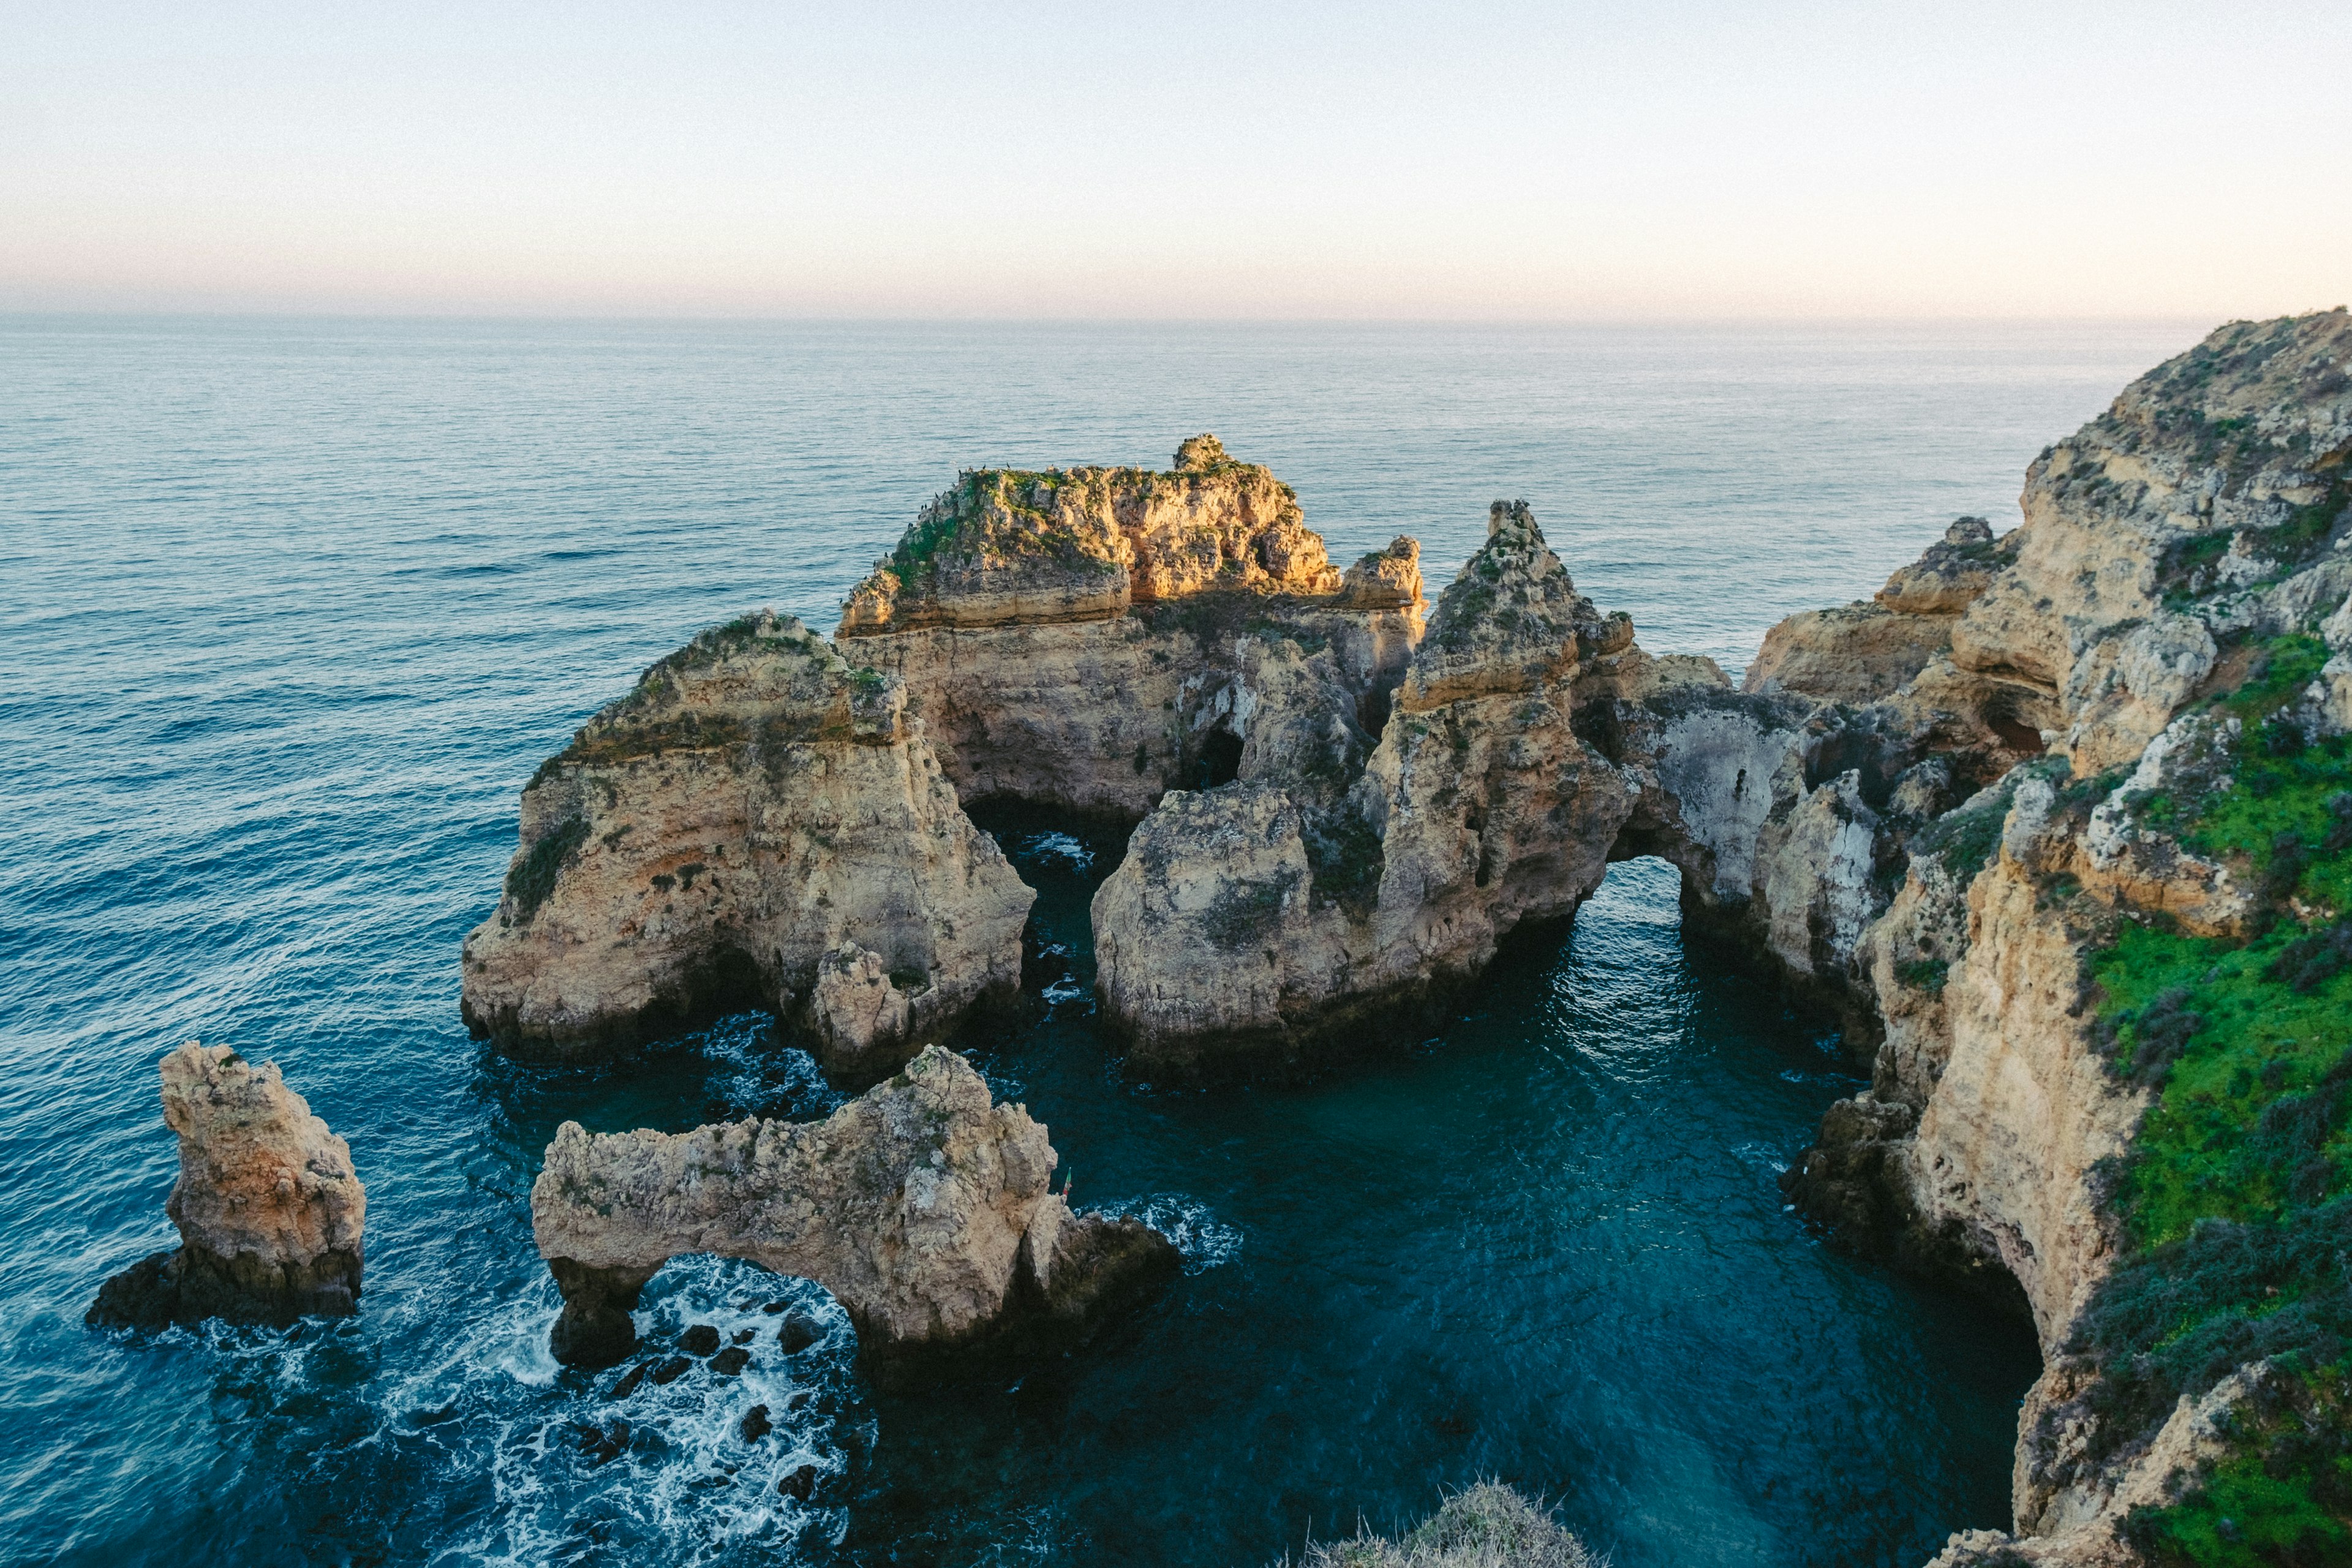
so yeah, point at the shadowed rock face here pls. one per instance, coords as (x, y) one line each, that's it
(1090, 638)
(754, 810)
(1259, 924)
(921, 1207)
(268, 1209)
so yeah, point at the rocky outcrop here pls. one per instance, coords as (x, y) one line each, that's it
(1089, 638)
(1869, 649)
(1531, 742)
(2177, 553)
(269, 1211)
(1263, 922)
(2209, 482)
(923, 1208)
(758, 824)
(1007, 546)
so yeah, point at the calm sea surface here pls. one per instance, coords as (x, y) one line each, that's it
(293, 609)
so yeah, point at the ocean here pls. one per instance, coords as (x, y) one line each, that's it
(293, 608)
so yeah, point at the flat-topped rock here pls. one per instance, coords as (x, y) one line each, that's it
(1011, 545)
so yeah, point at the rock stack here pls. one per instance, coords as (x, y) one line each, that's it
(268, 1208)
(923, 1208)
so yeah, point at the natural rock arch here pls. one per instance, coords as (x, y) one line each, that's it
(923, 1208)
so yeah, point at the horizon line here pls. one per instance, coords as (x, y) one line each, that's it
(462, 314)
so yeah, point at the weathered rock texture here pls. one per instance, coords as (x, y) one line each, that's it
(1868, 649)
(2203, 513)
(1265, 922)
(1086, 543)
(268, 1209)
(1089, 638)
(925, 1209)
(758, 824)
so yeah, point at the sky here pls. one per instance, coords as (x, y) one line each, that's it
(1472, 160)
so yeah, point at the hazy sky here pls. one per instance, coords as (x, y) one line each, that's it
(1479, 160)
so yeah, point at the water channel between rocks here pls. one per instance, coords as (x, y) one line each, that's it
(1546, 1246)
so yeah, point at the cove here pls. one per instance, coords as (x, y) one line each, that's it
(1545, 1245)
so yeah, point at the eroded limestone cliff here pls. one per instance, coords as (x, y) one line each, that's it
(1088, 639)
(923, 1208)
(758, 824)
(2114, 1066)
(2060, 822)
(269, 1211)
(1264, 925)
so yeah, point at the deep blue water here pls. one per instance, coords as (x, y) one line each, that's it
(293, 608)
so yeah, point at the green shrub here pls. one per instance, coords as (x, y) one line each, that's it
(534, 877)
(2236, 1194)
(1927, 974)
(1967, 837)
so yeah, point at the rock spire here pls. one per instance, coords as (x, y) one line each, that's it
(268, 1209)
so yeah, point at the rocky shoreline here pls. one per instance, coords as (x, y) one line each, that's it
(2059, 824)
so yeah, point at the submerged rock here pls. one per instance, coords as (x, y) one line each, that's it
(911, 1205)
(269, 1211)
(753, 811)
(799, 1331)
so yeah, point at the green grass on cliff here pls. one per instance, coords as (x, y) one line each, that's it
(2236, 1197)
(534, 877)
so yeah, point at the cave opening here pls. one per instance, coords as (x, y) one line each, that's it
(1065, 856)
(1220, 758)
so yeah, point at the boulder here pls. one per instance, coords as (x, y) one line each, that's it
(858, 1013)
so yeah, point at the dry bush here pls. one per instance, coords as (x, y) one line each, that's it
(1484, 1526)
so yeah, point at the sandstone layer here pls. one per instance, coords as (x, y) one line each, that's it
(758, 824)
(923, 1208)
(269, 1211)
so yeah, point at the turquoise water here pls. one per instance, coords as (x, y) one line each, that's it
(294, 608)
